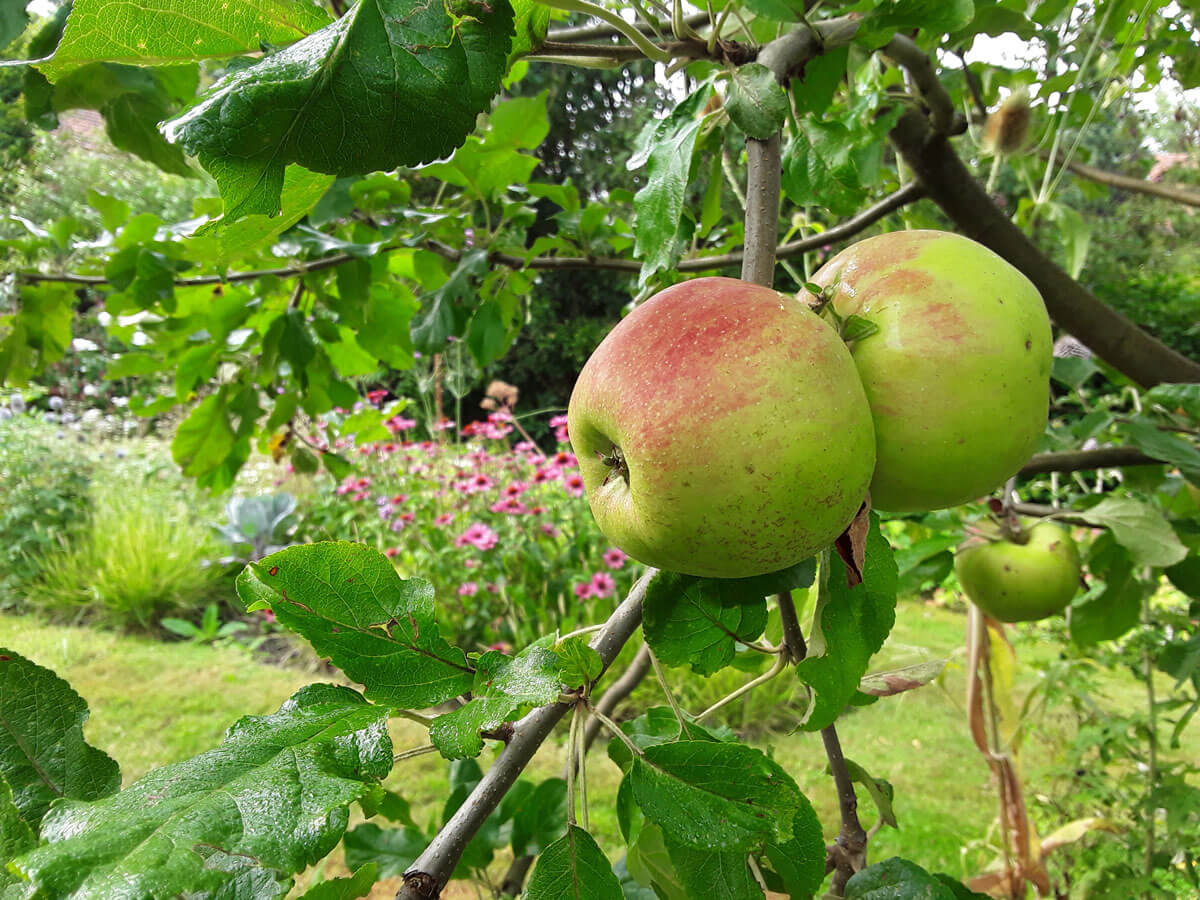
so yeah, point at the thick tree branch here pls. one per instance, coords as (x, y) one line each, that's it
(1137, 185)
(433, 868)
(1085, 460)
(843, 231)
(1113, 337)
(786, 55)
(764, 170)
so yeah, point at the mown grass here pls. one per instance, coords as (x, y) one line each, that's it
(153, 703)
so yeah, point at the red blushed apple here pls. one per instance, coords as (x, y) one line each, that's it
(722, 431)
(957, 373)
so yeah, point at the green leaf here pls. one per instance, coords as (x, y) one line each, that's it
(1184, 397)
(349, 603)
(714, 874)
(714, 795)
(573, 868)
(819, 169)
(205, 438)
(849, 626)
(856, 328)
(934, 16)
(169, 32)
(879, 790)
(899, 879)
(532, 20)
(1111, 607)
(113, 212)
(539, 821)
(800, 861)
(1072, 371)
(756, 103)
(778, 10)
(276, 792)
(699, 621)
(666, 149)
(1163, 445)
(391, 850)
(38, 334)
(487, 334)
(503, 685)
(16, 836)
(658, 725)
(1075, 233)
(1140, 528)
(13, 20)
(131, 123)
(814, 91)
(357, 885)
(355, 97)
(43, 756)
(446, 310)
(578, 663)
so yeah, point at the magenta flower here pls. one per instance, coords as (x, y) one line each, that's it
(443, 520)
(470, 563)
(510, 506)
(546, 474)
(549, 530)
(614, 558)
(468, 589)
(492, 588)
(391, 552)
(398, 499)
(514, 489)
(561, 435)
(479, 536)
(565, 459)
(584, 590)
(574, 484)
(603, 584)
(558, 421)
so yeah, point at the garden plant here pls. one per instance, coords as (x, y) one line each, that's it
(772, 453)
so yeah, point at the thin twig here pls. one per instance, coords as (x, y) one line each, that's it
(781, 663)
(598, 32)
(1086, 460)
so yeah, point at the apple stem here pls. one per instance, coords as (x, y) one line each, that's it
(615, 460)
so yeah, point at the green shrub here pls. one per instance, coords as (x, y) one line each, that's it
(143, 556)
(1166, 305)
(43, 501)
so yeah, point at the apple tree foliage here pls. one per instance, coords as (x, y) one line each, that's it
(375, 184)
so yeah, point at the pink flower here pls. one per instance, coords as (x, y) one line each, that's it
(480, 482)
(584, 590)
(602, 584)
(558, 421)
(269, 615)
(509, 506)
(407, 517)
(398, 499)
(398, 525)
(399, 423)
(492, 588)
(444, 425)
(574, 484)
(547, 473)
(470, 563)
(468, 589)
(514, 489)
(391, 552)
(524, 446)
(614, 558)
(444, 519)
(561, 435)
(565, 459)
(500, 415)
(549, 530)
(479, 536)
(501, 647)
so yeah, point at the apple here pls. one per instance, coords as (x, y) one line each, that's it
(957, 372)
(722, 431)
(1021, 582)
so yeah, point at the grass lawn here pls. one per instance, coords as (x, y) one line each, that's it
(153, 703)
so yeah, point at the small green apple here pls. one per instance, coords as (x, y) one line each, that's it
(957, 372)
(1021, 582)
(722, 431)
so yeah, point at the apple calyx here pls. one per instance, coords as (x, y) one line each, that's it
(615, 460)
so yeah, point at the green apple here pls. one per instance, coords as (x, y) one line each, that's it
(1021, 582)
(722, 431)
(957, 372)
